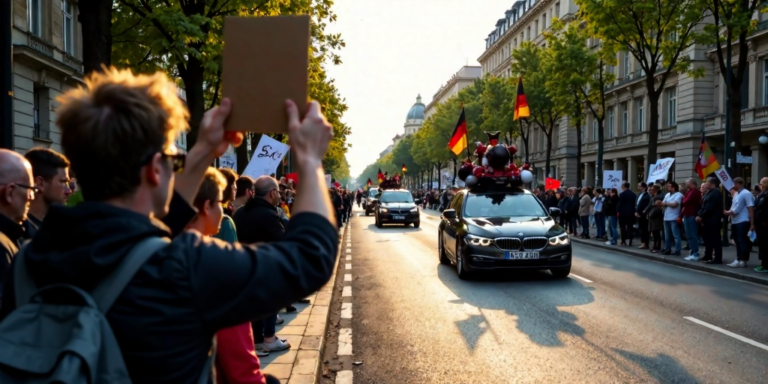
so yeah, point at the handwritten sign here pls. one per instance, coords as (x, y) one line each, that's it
(266, 157)
(725, 178)
(660, 170)
(612, 179)
(229, 159)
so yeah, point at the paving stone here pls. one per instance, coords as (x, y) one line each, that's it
(292, 330)
(302, 379)
(315, 329)
(280, 371)
(282, 357)
(311, 342)
(294, 340)
(323, 298)
(319, 310)
(306, 363)
(297, 320)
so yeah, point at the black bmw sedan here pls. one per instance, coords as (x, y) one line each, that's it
(396, 206)
(502, 229)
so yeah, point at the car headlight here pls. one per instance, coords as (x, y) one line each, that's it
(415, 209)
(477, 240)
(559, 240)
(383, 210)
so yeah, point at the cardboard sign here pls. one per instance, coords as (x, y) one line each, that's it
(266, 61)
(725, 178)
(660, 170)
(229, 159)
(266, 158)
(612, 179)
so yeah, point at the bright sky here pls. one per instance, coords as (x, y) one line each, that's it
(397, 49)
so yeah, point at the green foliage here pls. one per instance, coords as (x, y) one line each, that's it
(184, 39)
(498, 107)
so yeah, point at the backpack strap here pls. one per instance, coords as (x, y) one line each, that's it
(110, 288)
(23, 285)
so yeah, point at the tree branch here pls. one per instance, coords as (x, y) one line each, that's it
(146, 57)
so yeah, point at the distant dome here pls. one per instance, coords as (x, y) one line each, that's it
(417, 110)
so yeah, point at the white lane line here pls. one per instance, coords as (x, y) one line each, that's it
(345, 342)
(346, 310)
(728, 333)
(349, 257)
(347, 266)
(346, 292)
(344, 377)
(349, 250)
(581, 278)
(347, 277)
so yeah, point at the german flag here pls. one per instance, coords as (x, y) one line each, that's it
(380, 176)
(521, 104)
(707, 162)
(458, 140)
(369, 182)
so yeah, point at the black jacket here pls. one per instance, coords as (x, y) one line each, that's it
(626, 205)
(610, 204)
(258, 222)
(761, 209)
(12, 236)
(166, 318)
(642, 204)
(711, 211)
(572, 206)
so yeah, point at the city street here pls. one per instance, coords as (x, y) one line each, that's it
(616, 319)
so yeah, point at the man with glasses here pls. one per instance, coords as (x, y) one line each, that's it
(16, 194)
(50, 170)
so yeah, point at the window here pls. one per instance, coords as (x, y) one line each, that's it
(625, 64)
(536, 27)
(672, 107)
(69, 27)
(625, 118)
(594, 129)
(35, 14)
(529, 33)
(640, 107)
(396, 197)
(583, 133)
(745, 91)
(765, 82)
(544, 21)
(610, 122)
(498, 205)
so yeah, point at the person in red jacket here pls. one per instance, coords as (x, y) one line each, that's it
(691, 206)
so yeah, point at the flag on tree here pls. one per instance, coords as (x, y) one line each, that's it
(381, 176)
(707, 162)
(458, 140)
(521, 103)
(369, 182)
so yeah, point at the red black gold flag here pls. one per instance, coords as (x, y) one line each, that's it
(458, 140)
(381, 176)
(521, 103)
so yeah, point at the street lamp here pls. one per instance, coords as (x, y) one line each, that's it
(763, 139)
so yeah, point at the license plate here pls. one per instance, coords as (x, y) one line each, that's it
(521, 255)
(398, 217)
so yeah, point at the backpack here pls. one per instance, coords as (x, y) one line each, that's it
(43, 342)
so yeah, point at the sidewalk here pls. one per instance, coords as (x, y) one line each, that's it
(305, 330)
(729, 254)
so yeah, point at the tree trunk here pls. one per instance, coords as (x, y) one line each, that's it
(548, 162)
(192, 75)
(578, 153)
(454, 169)
(653, 130)
(600, 150)
(525, 136)
(438, 166)
(735, 134)
(95, 17)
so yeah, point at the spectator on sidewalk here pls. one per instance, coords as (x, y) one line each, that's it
(761, 226)
(165, 319)
(50, 170)
(572, 210)
(598, 203)
(243, 193)
(691, 206)
(655, 215)
(642, 202)
(585, 204)
(17, 191)
(609, 207)
(227, 231)
(625, 211)
(710, 216)
(672, 205)
(742, 219)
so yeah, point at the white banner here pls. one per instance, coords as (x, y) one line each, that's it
(612, 179)
(328, 181)
(266, 158)
(722, 174)
(660, 170)
(229, 159)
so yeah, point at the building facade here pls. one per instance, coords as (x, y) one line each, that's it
(463, 78)
(47, 53)
(687, 106)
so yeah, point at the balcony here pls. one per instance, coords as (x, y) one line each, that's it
(73, 63)
(42, 134)
(40, 45)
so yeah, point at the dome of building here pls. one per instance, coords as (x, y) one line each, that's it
(417, 110)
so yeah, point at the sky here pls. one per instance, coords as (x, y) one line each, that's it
(396, 50)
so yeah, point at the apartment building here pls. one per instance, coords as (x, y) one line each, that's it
(463, 78)
(686, 107)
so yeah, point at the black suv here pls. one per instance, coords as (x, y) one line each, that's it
(369, 202)
(396, 206)
(502, 229)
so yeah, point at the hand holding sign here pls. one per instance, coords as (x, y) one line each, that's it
(309, 137)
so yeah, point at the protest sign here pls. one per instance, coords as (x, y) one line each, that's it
(266, 158)
(612, 179)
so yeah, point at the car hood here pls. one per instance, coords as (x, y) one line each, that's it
(397, 205)
(513, 226)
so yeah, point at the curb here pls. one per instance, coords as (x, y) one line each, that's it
(678, 262)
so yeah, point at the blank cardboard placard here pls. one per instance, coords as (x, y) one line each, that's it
(266, 62)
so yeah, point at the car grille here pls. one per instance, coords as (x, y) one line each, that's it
(508, 243)
(403, 211)
(514, 244)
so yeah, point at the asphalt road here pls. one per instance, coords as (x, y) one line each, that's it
(622, 320)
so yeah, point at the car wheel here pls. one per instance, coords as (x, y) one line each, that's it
(416, 224)
(378, 223)
(560, 273)
(444, 260)
(463, 273)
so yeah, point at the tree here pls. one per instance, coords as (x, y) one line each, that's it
(528, 61)
(567, 45)
(498, 108)
(733, 23)
(401, 155)
(656, 33)
(184, 38)
(95, 17)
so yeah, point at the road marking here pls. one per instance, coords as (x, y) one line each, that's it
(349, 257)
(347, 277)
(349, 250)
(345, 342)
(347, 266)
(346, 310)
(344, 377)
(346, 292)
(728, 333)
(581, 278)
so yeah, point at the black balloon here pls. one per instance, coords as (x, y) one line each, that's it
(464, 172)
(498, 157)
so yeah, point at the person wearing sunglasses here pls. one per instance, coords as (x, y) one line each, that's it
(17, 191)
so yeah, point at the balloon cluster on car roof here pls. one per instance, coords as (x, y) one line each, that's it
(494, 166)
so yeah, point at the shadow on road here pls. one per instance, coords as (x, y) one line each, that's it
(534, 297)
(392, 228)
(662, 367)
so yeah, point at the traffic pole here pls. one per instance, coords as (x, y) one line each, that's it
(6, 77)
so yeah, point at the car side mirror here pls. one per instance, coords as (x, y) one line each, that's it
(450, 214)
(555, 212)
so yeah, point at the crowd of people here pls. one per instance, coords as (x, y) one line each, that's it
(665, 214)
(228, 252)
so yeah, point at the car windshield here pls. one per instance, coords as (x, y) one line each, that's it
(396, 197)
(373, 191)
(503, 205)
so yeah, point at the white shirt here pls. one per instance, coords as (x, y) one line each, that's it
(741, 202)
(671, 214)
